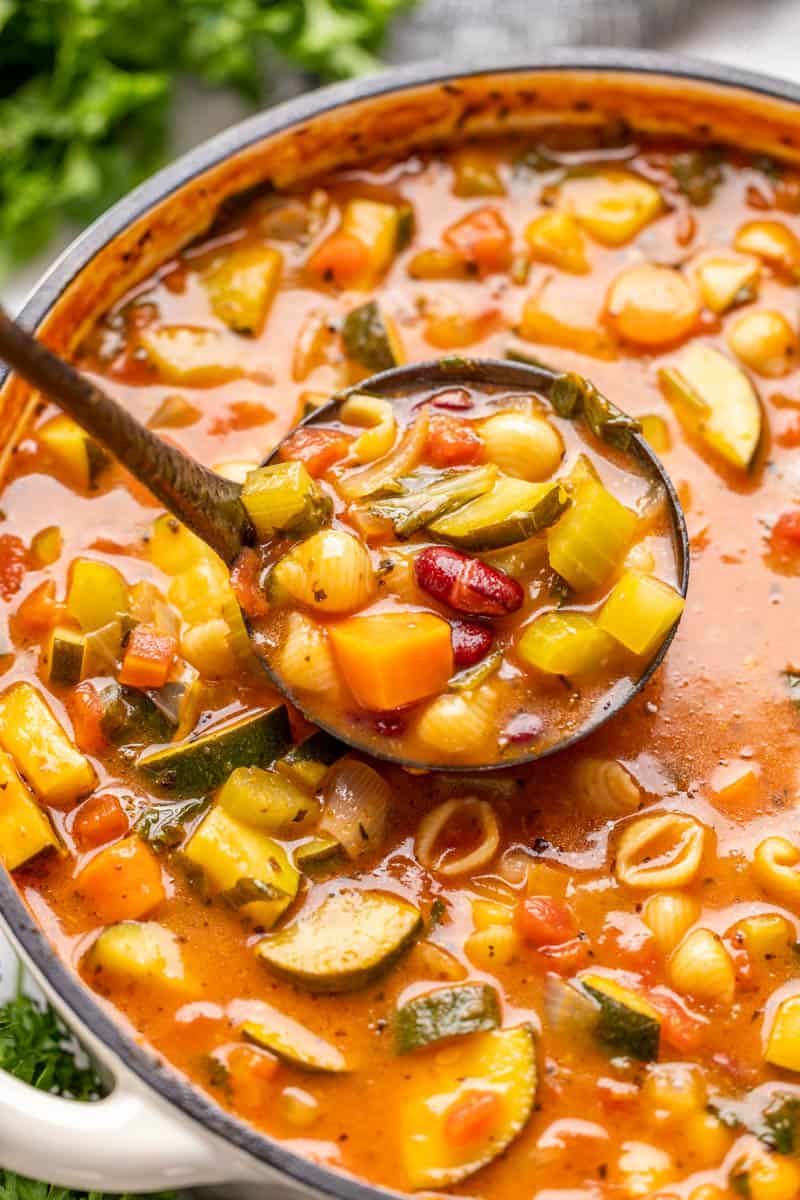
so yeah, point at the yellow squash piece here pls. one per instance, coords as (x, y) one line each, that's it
(590, 540)
(57, 772)
(611, 205)
(76, 455)
(556, 238)
(640, 611)
(136, 951)
(244, 863)
(715, 400)
(502, 1061)
(375, 224)
(96, 594)
(783, 1040)
(565, 643)
(24, 829)
(241, 289)
(187, 354)
(173, 548)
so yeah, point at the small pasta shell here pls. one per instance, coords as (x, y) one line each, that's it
(660, 851)
(433, 828)
(525, 446)
(305, 660)
(701, 967)
(377, 417)
(668, 915)
(331, 571)
(605, 788)
(776, 866)
(458, 722)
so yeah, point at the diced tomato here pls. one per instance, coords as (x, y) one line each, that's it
(122, 882)
(148, 658)
(317, 449)
(630, 943)
(790, 436)
(341, 259)
(785, 536)
(99, 819)
(567, 957)
(482, 238)
(617, 1095)
(241, 415)
(245, 581)
(40, 610)
(543, 921)
(13, 561)
(250, 1071)
(452, 443)
(679, 1027)
(472, 1117)
(85, 709)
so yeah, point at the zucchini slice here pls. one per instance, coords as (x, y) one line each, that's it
(140, 951)
(25, 830)
(293, 1042)
(65, 656)
(202, 763)
(502, 1061)
(511, 512)
(316, 850)
(345, 943)
(445, 1013)
(58, 773)
(715, 400)
(627, 1024)
(307, 763)
(370, 338)
(250, 869)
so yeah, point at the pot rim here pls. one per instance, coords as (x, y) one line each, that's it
(168, 1082)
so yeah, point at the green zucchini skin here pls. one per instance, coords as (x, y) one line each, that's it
(504, 530)
(294, 1044)
(353, 937)
(315, 851)
(445, 1013)
(623, 1029)
(131, 717)
(67, 649)
(306, 764)
(200, 764)
(366, 338)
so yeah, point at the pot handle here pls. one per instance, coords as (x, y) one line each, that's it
(129, 1141)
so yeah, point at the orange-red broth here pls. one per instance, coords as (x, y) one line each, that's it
(713, 737)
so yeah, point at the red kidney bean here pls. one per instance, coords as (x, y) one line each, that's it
(387, 724)
(524, 727)
(456, 399)
(471, 640)
(466, 584)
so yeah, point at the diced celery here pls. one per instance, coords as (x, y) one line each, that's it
(249, 868)
(96, 594)
(565, 643)
(265, 799)
(589, 541)
(57, 772)
(640, 611)
(284, 497)
(173, 548)
(24, 829)
(241, 289)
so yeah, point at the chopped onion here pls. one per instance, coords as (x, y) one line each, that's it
(355, 806)
(568, 1011)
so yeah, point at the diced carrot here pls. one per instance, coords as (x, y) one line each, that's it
(123, 882)
(245, 581)
(392, 659)
(85, 710)
(40, 610)
(148, 658)
(482, 238)
(250, 1071)
(317, 449)
(341, 259)
(472, 1117)
(785, 536)
(790, 436)
(735, 787)
(542, 921)
(241, 415)
(99, 819)
(452, 443)
(13, 561)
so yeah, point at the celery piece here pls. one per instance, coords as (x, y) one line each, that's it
(428, 496)
(565, 643)
(590, 540)
(640, 611)
(283, 497)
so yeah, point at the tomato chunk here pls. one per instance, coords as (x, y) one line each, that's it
(148, 658)
(13, 561)
(99, 819)
(317, 449)
(40, 610)
(245, 581)
(85, 709)
(472, 1117)
(785, 537)
(452, 443)
(482, 238)
(341, 259)
(543, 921)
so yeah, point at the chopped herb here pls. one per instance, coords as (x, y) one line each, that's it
(164, 824)
(437, 913)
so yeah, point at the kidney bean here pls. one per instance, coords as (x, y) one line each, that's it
(471, 642)
(524, 727)
(466, 584)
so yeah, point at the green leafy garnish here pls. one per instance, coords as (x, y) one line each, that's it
(425, 495)
(87, 88)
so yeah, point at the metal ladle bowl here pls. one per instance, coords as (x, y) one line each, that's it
(211, 506)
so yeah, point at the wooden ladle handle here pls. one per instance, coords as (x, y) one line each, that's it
(207, 503)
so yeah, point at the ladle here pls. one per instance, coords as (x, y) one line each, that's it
(211, 507)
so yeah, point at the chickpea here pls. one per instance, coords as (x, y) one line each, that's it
(765, 341)
(651, 305)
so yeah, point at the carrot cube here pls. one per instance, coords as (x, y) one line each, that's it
(148, 658)
(123, 882)
(392, 659)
